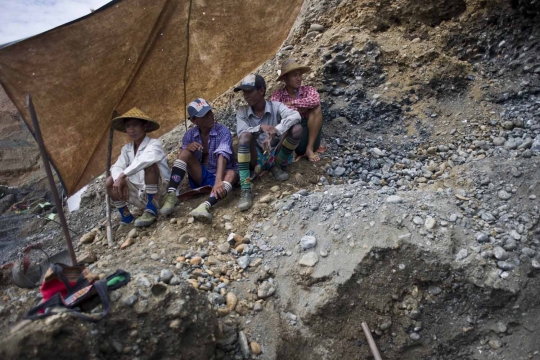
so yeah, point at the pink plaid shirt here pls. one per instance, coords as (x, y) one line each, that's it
(307, 97)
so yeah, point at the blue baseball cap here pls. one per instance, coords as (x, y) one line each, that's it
(198, 108)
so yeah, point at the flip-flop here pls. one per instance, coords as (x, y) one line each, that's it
(314, 158)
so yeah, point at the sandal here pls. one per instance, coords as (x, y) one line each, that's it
(314, 158)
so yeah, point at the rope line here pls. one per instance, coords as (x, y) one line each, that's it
(186, 63)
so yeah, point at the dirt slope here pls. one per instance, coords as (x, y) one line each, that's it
(422, 218)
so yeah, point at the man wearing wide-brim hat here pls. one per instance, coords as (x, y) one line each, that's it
(139, 175)
(305, 100)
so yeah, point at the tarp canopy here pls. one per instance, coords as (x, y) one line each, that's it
(132, 53)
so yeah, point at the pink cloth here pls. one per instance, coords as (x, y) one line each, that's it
(307, 97)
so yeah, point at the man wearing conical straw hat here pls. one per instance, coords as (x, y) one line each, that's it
(139, 175)
(305, 100)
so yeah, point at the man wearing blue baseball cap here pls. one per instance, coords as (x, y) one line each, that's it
(207, 157)
(268, 133)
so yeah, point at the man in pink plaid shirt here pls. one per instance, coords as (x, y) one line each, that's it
(305, 100)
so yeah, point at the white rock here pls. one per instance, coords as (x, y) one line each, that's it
(394, 199)
(316, 27)
(462, 254)
(430, 223)
(308, 242)
(500, 253)
(266, 289)
(504, 195)
(243, 261)
(376, 152)
(309, 259)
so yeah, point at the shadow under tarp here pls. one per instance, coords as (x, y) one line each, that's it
(132, 53)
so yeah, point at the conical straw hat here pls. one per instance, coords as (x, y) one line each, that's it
(118, 123)
(290, 66)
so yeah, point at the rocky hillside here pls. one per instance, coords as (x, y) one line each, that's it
(421, 219)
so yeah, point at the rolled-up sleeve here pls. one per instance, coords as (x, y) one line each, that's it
(152, 154)
(224, 147)
(242, 123)
(289, 118)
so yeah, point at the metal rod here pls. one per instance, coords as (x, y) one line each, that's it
(371, 342)
(52, 185)
(110, 241)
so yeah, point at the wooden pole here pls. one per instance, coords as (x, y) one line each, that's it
(371, 342)
(52, 185)
(110, 239)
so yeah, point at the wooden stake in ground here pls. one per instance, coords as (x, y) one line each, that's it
(371, 342)
(52, 185)
(110, 239)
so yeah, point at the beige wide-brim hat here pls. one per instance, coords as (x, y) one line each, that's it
(118, 123)
(290, 66)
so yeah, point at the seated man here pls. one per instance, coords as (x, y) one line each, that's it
(140, 169)
(304, 99)
(207, 156)
(268, 132)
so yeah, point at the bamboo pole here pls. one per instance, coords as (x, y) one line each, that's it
(110, 238)
(371, 342)
(52, 185)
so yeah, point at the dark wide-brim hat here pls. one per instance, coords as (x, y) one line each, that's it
(290, 66)
(118, 123)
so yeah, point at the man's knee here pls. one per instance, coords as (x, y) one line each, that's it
(185, 155)
(296, 131)
(245, 138)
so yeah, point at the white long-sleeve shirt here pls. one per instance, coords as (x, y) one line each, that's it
(149, 152)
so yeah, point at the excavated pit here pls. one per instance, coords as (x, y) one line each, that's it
(423, 309)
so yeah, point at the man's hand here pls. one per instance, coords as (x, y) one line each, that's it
(267, 144)
(120, 188)
(270, 130)
(219, 189)
(194, 146)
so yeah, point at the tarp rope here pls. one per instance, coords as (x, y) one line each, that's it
(186, 63)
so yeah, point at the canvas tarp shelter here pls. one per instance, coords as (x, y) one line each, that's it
(132, 53)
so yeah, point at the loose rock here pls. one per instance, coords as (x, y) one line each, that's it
(309, 259)
(308, 242)
(266, 289)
